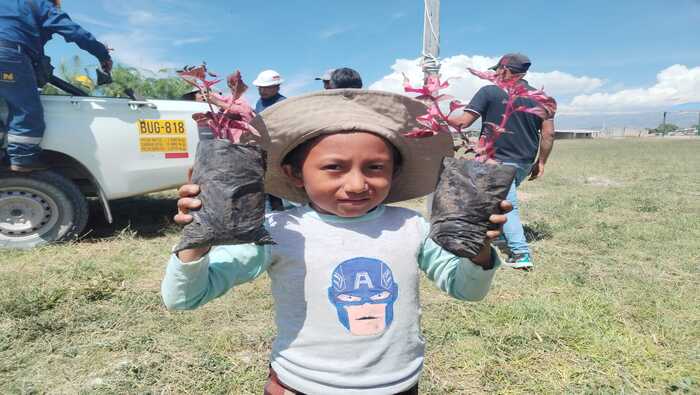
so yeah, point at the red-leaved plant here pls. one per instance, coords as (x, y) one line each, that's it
(232, 120)
(436, 121)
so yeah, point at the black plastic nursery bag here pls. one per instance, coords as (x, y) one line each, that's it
(230, 177)
(467, 193)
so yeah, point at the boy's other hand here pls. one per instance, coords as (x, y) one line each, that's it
(187, 203)
(498, 219)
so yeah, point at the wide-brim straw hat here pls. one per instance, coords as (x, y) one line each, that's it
(293, 121)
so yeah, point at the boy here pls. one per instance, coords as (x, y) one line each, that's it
(345, 267)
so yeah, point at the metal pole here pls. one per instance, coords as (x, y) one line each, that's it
(663, 126)
(431, 37)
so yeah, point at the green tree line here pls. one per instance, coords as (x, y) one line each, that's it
(667, 128)
(165, 85)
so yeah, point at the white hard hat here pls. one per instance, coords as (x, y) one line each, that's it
(268, 78)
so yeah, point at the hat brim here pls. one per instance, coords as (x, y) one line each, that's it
(293, 121)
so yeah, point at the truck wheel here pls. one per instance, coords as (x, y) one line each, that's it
(39, 208)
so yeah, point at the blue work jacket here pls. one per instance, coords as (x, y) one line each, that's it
(20, 24)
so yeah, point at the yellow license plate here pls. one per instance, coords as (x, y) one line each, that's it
(160, 127)
(163, 144)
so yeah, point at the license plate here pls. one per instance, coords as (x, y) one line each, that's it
(160, 127)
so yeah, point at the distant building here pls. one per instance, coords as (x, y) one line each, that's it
(566, 134)
(624, 132)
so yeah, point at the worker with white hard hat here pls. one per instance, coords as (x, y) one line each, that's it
(268, 83)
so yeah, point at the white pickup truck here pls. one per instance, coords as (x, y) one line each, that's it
(97, 147)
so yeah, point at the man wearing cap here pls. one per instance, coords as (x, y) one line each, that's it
(268, 83)
(326, 78)
(527, 135)
(25, 27)
(345, 77)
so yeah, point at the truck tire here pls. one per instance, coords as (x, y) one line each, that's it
(38, 208)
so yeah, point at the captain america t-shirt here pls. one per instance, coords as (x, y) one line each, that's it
(346, 294)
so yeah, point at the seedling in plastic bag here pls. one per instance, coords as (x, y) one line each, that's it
(230, 173)
(469, 191)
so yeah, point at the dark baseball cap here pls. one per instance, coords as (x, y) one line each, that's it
(515, 62)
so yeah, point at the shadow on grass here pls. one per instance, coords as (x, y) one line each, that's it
(143, 216)
(537, 231)
(534, 232)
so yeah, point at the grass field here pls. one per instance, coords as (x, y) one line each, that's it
(612, 307)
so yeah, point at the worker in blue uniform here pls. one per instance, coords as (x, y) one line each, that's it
(25, 27)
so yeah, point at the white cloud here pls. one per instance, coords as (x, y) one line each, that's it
(335, 31)
(577, 95)
(142, 44)
(463, 84)
(139, 49)
(87, 19)
(140, 41)
(674, 85)
(192, 40)
(560, 83)
(298, 84)
(138, 17)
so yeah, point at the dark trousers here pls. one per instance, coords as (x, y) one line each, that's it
(25, 120)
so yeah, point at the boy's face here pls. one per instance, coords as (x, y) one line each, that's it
(347, 174)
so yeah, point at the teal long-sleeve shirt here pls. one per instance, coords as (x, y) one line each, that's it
(190, 285)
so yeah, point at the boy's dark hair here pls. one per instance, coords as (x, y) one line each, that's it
(345, 77)
(295, 158)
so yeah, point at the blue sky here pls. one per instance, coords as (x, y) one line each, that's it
(599, 58)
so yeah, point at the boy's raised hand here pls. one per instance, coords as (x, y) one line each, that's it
(498, 219)
(185, 204)
(187, 201)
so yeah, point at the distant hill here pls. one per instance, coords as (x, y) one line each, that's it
(649, 119)
(686, 107)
